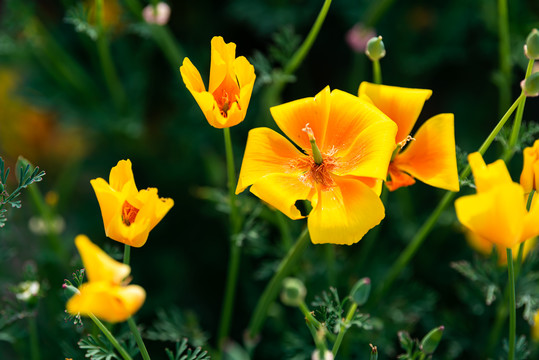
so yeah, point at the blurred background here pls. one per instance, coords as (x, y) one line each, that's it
(75, 98)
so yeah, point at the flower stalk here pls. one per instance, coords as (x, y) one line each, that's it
(111, 337)
(512, 306)
(138, 339)
(344, 328)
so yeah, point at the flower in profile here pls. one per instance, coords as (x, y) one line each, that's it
(498, 211)
(529, 178)
(128, 214)
(105, 294)
(231, 83)
(346, 144)
(430, 155)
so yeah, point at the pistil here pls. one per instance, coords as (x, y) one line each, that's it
(317, 155)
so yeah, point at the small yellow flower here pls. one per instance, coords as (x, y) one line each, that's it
(231, 84)
(529, 179)
(128, 214)
(104, 295)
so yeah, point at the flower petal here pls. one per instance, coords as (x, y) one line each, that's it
(344, 213)
(191, 77)
(110, 201)
(135, 234)
(398, 178)
(154, 208)
(529, 178)
(431, 158)
(488, 176)
(531, 221)
(402, 105)
(121, 176)
(222, 58)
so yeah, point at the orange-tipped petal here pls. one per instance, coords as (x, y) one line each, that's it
(398, 178)
(344, 213)
(402, 105)
(488, 176)
(431, 157)
(529, 178)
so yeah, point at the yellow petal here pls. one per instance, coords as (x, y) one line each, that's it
(99, 266)
(110, 201)
(529, 178)
(222, 58)
(488, 176)
(191, 77)
(121, 177)
(293, 116)
(497, 215)
(266, 152)
(107, 302)
(531, 221)
(535, 327)
(154, 208)
(431, 157)
(344, 213)
(135, 234)
(402, 105)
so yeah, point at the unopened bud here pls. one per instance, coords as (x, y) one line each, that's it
(361, 290)
(531, 49)
(431, 340)
(374, 352)
(375, 48)
(328, 355)
(531, 85)
(293, 292)
(158, 15)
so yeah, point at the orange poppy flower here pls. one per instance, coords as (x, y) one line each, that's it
(430, 155)
(231, 84)
(345, 147)
(128, 214)
(529, 178)
(105, 294)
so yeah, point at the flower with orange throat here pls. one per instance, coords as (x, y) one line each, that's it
(128, 214)
(428, 156)
(345, 145)
(105, 295)
(498, 211)
(529, 178)
(231, 84)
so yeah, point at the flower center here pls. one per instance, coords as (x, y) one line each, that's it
(317, 155)
(129, 213)
(226, 94)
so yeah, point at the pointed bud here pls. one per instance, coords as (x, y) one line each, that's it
(293, 292)
(531, 49)
(431, 340)
(531, 85)
(375, 48)
(361, 290)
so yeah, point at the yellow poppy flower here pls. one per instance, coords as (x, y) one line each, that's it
(104, 295)
(498, 211)
(231, 84)
(128, 214)
(430, 155)
(535, 328)
(346, 144)
(529, 179)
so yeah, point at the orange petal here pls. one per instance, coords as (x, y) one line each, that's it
(135, 234)
(431, 158)
(402, 105)
(531, 221)
(398, 178)
(529, 178)
(222, 58)
(488, 176)
(344, 213)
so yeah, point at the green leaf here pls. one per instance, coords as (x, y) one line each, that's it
(97, 349)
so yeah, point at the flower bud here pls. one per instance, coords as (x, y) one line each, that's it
(531, 85)
(531, 49)
(360, 292)
(328, 355)
(293, 292)
(431, 340)
(375, 48)
(158, 15)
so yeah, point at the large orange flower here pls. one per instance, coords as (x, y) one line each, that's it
(128, 214)
(345, 147)
(430, 155)
(231, 84)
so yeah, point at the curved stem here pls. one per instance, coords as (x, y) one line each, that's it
(138, 339)
(512, 306)
(344, 328)
(376, 72)
(127, 254)
(273, 287)
(111, 337)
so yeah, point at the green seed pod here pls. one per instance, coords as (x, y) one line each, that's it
(531, 85)
(361, 290)
(431, 340)
(375, 48)
(531, 49)
(293, 292)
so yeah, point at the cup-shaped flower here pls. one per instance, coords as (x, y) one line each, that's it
(231, 83)
(529, 178)
(430, 154)
(128, 214)
(345, 147)
(498, 211)
(105, 294)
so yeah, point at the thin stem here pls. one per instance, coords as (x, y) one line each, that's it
(521, 247)
(311, 320)
(127, 254)
(504, 55)
(111, 337)
(512, 306)
(273, 287)
(344, 328)
(138, 339)
(34, 340)
(376, 72)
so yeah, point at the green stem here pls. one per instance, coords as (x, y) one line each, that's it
(314, 326)
(138, 339)
(34, 340)
(501, 314)
(521, 247)
(512, 306)
(273, 287)
(311, 320)
(127, 254)
(504, 55)
(344, 328)
(376, 72)
(111, 337)
(376, 11)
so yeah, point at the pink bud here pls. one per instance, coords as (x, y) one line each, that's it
(158, 15)
(358, 36)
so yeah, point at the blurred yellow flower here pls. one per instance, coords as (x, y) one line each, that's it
(529, 179)
(105, 294)
(346, 144)
(231, 84)
(483, 246)
(535, 327)
(498, 211)
(128, 214)
(430, 155)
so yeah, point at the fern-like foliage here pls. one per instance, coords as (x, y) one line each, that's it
(78, 17)
(183, 352)
(173, 325)
(97, 349)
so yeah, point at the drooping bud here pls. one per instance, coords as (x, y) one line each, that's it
(431, 340)
(375, 48)
(293, 292)
(360, 292)
(531, 49)
(531, 85)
